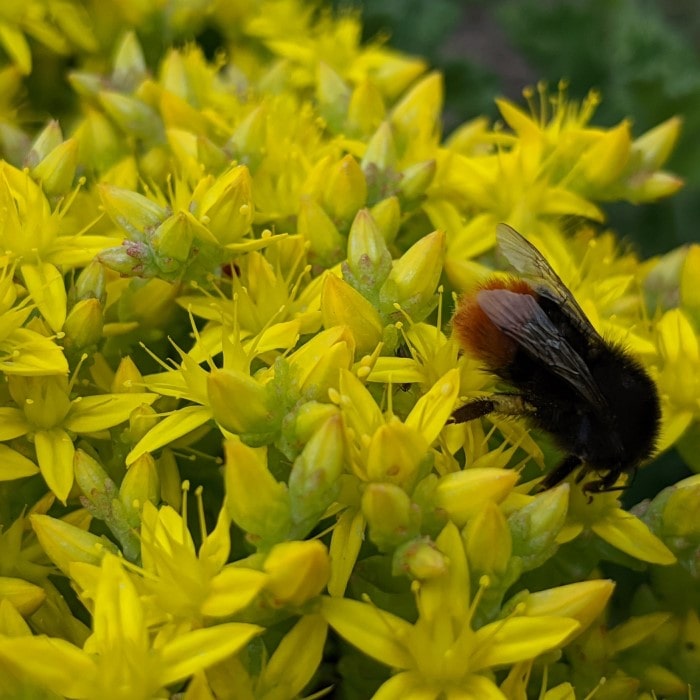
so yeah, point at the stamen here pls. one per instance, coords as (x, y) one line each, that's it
(200, 512)
(185, 491)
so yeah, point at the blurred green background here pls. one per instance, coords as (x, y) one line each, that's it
(642, 55)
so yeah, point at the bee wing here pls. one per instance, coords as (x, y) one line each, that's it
(528, 261)
(521, 318)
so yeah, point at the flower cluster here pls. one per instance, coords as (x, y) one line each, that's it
(228, 469)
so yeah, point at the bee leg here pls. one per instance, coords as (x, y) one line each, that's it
(604, 485)
(472, 410)
(505, 404)
(560, 472)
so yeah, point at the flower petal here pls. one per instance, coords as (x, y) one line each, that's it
(54, 452)
(12, 423)
(296, 658)
(45, 284)
(231, 590)
(346, 541)
(632, 536)
(519, 638)
(64, 668)
(432, 410)
(14, 465)
(407, 685)
(90, 414)
(377, 633)
(169, 429)
(199, 649)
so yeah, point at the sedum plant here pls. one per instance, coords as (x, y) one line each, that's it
(227, 467)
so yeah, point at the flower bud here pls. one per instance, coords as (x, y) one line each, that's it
(665, 683)
(415, 275)
(602, 164)
(366, 109)
(131, 211)
(327, 246)
(333, 96)
(129, 63)
(65, 544)
(129, 259)
(690, 273)
(655, 146)
(672, 516)
(213, 158)
(151, 304)
(583, 601)
(648, 187)
(169, 479)
(12, 623)
(98, 143)
(49, 138)
(132, 116)
(172, 241)
(313, 481)
(421, 560)
(177, 115)
(487, 541)
(141, 420)
(463, 494)
(417, 115)
(91, 282)
(395, 454)
(83, 326)
(256, 502)
(247, 143)
(416, 180)
(298, 571)
(140, 484)
(127, 378)
(56, 170)
(317, 362)
(680, 352)
(369, 259)
(25, 597)
(341, 305)
(310, 417)
(227, 208)
(535, 527)
(238, 402)
(98, 489)
(387, 216)
(387, 509)
(345, 191)
(380, 154)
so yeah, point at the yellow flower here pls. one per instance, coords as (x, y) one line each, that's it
(604, 517)
(679, 375)
(46, 412)
(441, 653)
(209, 391)
(189, 586)
(279, 675)
(297, 571)
(119, 659)
(41, 241)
